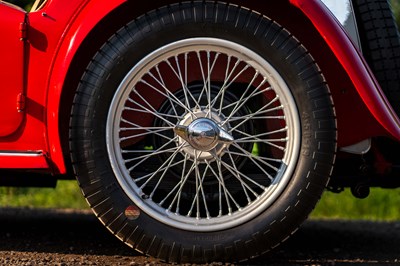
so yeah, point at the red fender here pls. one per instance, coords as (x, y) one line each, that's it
(90, 13)
(354, 64)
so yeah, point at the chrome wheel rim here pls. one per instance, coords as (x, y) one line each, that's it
(203, 134)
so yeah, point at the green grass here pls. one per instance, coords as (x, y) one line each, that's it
(381, 205)
(396, 10)
(66, 195)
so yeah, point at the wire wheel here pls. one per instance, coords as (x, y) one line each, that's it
(203, 134)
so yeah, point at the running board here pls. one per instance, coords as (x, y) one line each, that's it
(23, 160)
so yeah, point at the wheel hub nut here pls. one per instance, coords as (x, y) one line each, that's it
(203, 134)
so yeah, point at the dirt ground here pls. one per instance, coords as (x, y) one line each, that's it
(68, 237)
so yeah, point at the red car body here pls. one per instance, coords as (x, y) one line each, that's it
(44, 54)
(42, 61)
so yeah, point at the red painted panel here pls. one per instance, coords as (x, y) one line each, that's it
(83, 21)
(55, 33)
(45, 31)
(11, 67)
(353, 63)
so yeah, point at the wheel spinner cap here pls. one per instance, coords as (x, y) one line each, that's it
(203, 134)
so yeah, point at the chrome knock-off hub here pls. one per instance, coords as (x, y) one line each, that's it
(205, 137)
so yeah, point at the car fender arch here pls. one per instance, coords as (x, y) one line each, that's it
(334, 36)
(89, 16)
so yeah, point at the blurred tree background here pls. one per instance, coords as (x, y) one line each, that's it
(396, 9)
(26, 4)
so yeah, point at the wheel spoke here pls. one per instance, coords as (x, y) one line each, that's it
(264, 141)
(178, 186)
(232, 170)
(222, 90)
(155, 132)
(199, 189)
(161, 150)
(226, 86)
(247, 154)
(169, 95)
(187, 104)
(153, 112)
(240, 102)
(163, 167)
(161, 177)
(242, 183)
(255, 113)
(208, 86)
(255, 158)
(162, 83)
(228, 195)
(183, 82)
(236, 118)
(221, 180)
(226, 80)
(147, 112)
(256, 137)
(149, 130)
(151, 154)
(223, 191)
(199, 185)
(254, 94)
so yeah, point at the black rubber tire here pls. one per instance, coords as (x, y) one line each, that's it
(380, 41)
(169, 24)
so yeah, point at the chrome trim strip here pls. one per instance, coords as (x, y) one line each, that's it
(21, 154)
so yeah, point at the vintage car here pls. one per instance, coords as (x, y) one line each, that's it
(201, 131)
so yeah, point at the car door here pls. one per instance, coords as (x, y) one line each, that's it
(12, 45)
